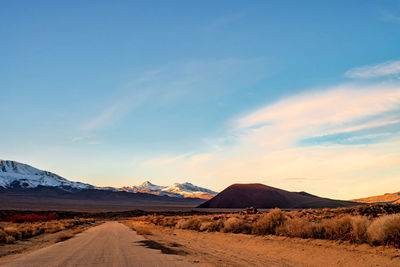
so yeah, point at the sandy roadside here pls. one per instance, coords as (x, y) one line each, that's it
(226, 249)
(8, 252)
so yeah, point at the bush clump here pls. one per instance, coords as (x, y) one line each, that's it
(376, 224)
(235, 225)
(212, 226)
(190, 224)
(359, 225)
(269, 223)
(385, 231)
(11, 232)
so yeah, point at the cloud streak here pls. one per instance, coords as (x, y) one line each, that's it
(266, 147)
(389, 68)
(166, 85)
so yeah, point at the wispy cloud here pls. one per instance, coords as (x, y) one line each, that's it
(375, 71)
(266, 147)
(318, 113)
(389, 16)
(165, 85)
(103, 118)
(90, 140)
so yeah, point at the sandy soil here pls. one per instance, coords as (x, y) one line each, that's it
(225, 249)
(110, 244)
(12, 251)
(9, 252)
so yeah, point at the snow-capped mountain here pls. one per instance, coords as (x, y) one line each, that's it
(190, 190)
(19, 175)
(15, 174)
(147, 187)
(174, 190)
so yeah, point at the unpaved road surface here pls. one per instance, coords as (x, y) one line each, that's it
(110, 244)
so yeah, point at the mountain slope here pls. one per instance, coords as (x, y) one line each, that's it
(262, 196)
(54, 198)
(186, 190)
(149, 188)
(19, 175)
(25, 187)
(388, 198)
(190, 190)
(15, 174)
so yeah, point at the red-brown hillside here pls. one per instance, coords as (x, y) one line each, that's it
(262, 196)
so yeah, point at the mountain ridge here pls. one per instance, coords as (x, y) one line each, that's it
(176, 190)
(16, 174)
(388, 198)
(13, 173)
(25, 187)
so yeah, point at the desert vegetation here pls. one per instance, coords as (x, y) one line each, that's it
(374, 225)
(20, 227)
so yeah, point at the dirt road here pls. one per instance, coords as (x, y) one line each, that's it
(110, 244)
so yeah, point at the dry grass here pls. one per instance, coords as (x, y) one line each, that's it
(139, 228)
(63, 236)
(79, 230)
(191, 224)
(359, 226)
(268, 223)
(11, 232)
(385, 231)
(235, 225)
(143, 231)
(332, 224)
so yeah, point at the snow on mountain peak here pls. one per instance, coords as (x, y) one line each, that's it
(174, 190)
(14, 174)
(147, 186)
(188, 187)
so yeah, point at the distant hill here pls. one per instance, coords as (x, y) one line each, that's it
(388, 198)
(262, 196)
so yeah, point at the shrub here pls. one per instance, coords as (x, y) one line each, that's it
(142, 231)
(205, 226)
(213, 226)
(18, 218)
(295, 227)
(169, 222)
(78, 231)
(235, 225)
(2, 236)
(191, 224)
(63, 237)
(359, 226)
(268, 223)
(20, 231)
(385, 230)
(337, 228)
(12, 231)
(9, 239)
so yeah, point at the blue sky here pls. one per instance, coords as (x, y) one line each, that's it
(303, 95)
